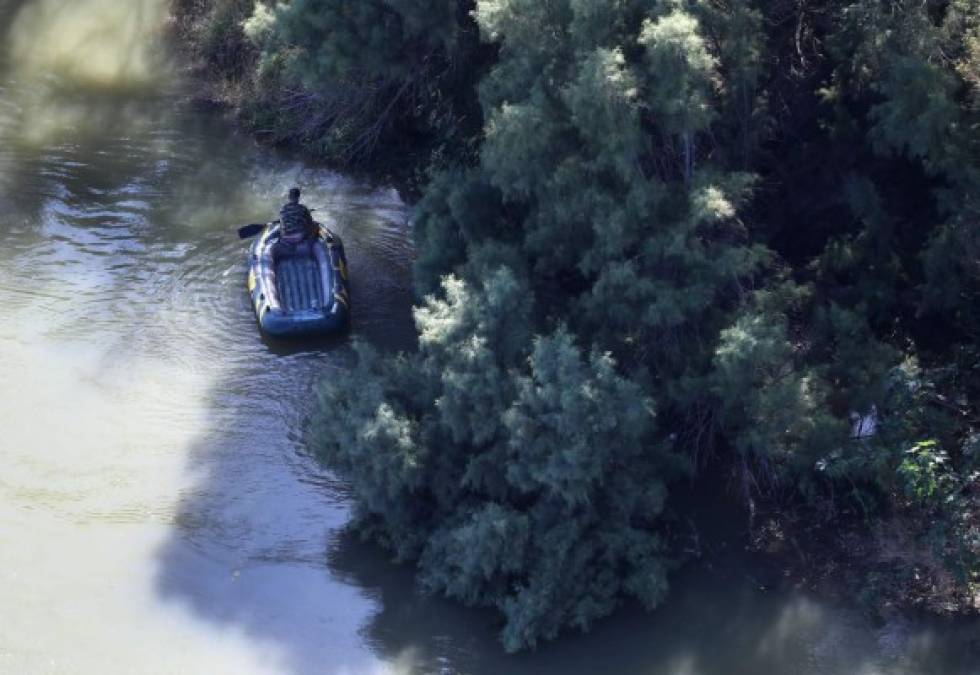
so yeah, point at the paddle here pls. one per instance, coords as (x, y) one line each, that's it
(249, 231)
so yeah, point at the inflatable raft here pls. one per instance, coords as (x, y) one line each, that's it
(299, 290)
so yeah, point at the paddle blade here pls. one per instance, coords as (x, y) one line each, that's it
(250, 230)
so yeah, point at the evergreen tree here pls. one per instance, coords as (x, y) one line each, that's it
(589, 220)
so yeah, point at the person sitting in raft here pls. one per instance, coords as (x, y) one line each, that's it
(296, 221)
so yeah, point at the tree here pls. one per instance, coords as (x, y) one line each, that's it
(528, 483)
(585, 222)
(350, 81)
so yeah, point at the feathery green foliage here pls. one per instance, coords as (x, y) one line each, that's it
(758, 220)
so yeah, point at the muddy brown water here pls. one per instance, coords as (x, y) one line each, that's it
(159, 512)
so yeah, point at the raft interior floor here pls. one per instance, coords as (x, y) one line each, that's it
(298, 283)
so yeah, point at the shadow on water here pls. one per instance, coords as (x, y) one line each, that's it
(250, 540)
(9, 9)
(716, 622)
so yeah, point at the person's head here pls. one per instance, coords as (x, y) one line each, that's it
(294, 194)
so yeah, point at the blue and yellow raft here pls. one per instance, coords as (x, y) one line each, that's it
(299, 290)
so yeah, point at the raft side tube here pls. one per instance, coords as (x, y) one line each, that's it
(299, 294)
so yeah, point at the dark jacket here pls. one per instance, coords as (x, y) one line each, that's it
(297, 222)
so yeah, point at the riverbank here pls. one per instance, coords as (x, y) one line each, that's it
(224, 67)
(883, 566)
(888, 565)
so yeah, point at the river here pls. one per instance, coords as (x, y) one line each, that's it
(159, 512)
